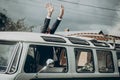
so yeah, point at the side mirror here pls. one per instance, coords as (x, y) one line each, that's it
(49, 64)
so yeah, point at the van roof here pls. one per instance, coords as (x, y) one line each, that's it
(25, 36)
(40, 37)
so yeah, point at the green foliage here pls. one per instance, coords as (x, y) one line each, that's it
(10, 25)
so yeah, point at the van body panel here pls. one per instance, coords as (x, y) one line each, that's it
(7, 77)
(69, 53)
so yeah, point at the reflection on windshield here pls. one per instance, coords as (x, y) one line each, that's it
(6, 49)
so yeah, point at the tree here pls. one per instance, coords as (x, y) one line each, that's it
(3, 20)
(6, 24)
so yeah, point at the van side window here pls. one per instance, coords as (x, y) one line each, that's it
(118, 58)
(105, 61)
(84, 60)
(15, 61)
(46, 59)
(30, 61)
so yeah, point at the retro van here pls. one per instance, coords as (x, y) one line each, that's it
(36, 56)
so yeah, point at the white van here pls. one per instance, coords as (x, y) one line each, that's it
(36, 56)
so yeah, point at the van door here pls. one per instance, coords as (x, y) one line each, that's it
(45, 62)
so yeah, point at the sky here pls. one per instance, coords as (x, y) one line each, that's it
(80, 15)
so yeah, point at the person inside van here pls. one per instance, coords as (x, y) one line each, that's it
(45, 28)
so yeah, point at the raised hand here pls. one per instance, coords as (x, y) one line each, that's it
(61, 11)
(50, 9)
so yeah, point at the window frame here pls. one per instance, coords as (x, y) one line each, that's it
(13, 52)
(49, 45)
(16, 58)
(92, 57)
(110, 52)
(118, 59)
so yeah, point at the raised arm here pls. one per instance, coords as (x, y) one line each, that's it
(57, 22)
(50, 10)
(61, 12)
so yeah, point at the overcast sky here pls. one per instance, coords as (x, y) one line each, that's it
(80, 15)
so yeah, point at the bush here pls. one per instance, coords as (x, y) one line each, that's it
(6, 24)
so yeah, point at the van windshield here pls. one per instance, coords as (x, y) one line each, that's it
(6, 49)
